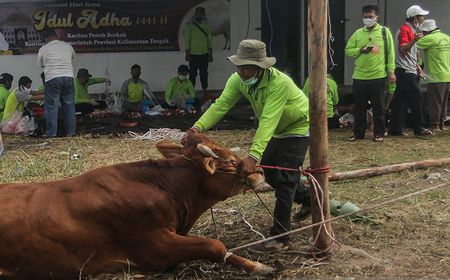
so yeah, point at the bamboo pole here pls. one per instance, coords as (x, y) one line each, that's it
(375, 171)
(318, 150)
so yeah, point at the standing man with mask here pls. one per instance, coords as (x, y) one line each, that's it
(56, 59)
(407, 72)
(436, 46)
(373, 64)
(283, 132)
(198, 45)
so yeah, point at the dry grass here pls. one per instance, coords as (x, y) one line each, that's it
(406, 240)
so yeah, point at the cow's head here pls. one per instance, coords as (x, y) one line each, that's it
(212, 157)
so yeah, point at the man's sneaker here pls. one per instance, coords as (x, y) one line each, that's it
(302, 214)
(269, 247)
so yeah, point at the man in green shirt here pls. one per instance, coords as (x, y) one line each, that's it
(135, 90)
(436, 45)
(180, 92)
(83, 102)
(367, 46)
(17, 100)
(332, 100)
(282, 135)
(5, 85)
(198, 45)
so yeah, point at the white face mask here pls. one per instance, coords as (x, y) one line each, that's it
(251, 81)
(182, 77)
(369, 22)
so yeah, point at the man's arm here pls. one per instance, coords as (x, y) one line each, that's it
(94, 81)
(124, 88)
(404, 42)
(169, 91)
(391, 56)
(40, 58)
(351, 49)
(187, 41)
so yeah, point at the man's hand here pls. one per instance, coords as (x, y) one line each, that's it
(417, 37)
(192, 130)
(391, 77)
(188, 57)
(365, 50)
(247, 167)
(93, 102)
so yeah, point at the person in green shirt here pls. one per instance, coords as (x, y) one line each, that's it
(180, 92)
(367, 46)
(332, 100)
(283, 131)
(436, 45)
(19, 99)
(6, 80)
(83, 102)
(198, 45)
(135, 90)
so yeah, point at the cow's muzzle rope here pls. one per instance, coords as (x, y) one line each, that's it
(340, 217)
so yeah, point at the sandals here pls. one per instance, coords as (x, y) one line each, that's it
(424, 132)
(378, 139)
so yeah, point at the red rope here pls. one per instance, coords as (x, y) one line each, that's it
(306, 171)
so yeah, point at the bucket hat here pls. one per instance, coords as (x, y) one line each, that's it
(252, 52)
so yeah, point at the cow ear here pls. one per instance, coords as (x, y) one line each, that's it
(210, 165)
(169, 149)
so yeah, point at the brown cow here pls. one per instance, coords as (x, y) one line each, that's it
(134, 213)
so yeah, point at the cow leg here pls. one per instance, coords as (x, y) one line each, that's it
(188, 248)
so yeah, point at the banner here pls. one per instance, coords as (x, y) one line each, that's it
(103, 26)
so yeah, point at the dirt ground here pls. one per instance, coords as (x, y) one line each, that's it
(406, 240)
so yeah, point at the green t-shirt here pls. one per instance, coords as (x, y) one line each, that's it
(12, 105)
(176, 88)
(332, 95)
(437, 56)
(81, 91)
(4, 93)
(371, 66)
(196, 41)
(280, 106)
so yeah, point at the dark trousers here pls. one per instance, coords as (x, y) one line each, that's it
(363, 92)
(199, 63)
(287, 152)
(407, 95)
(437, 102)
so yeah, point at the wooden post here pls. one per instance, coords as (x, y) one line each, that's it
(318, 149)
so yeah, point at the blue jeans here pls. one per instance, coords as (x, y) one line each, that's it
(60, 91)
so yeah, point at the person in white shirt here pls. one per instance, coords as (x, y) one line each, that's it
(56, 59)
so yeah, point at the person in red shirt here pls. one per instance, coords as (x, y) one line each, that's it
(408, 71)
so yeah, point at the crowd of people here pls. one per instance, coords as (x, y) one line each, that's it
(378, 55)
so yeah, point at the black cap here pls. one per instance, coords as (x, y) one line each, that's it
(83, 73)
(24, 80)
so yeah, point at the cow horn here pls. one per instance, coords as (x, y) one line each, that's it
(206, 151)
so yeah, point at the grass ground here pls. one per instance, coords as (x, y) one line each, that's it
(407, 240)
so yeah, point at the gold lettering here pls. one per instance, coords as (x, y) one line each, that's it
(89, 17)
(40, 17)
(43, 21)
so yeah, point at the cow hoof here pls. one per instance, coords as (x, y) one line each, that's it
(262, 269)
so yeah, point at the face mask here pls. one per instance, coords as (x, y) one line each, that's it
(369, 22)
(250, 82)
(182, 77)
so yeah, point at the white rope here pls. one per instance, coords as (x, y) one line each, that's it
(158, 134)
(227, 255)
(236, 212)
